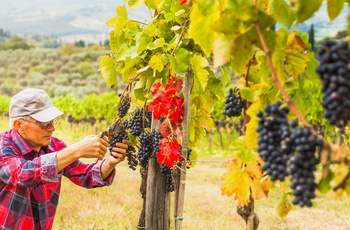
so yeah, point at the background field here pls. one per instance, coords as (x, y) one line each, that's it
(119, 205)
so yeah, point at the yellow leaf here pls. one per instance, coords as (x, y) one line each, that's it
(254, 170)
(294, 43)
(237, 182)
(260, 188)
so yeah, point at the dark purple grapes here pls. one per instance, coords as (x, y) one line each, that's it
(334, 71)
(135, 123)
(233, 103)
(124, 106)
(302, 165)
(168, 178)
(145, 148)
(273, 130)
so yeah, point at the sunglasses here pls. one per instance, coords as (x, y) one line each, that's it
(43, 125)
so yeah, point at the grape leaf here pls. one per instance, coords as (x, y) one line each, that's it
(283, 13)
(334, 7)
(295, 43)
(199, 30)
(284, 206)
(200, 74)
(134, 4)
(306, 9)
(108, 70)
(260, 188)
(236, 182)
(324, 184)
(251, 134)
(156, 63)
(296, 63)
(169, 153)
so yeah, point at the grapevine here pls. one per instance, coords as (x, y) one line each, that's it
(268, 65)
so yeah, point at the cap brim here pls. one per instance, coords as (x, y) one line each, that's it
(47, 115)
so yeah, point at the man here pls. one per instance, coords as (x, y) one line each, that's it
(32, 162)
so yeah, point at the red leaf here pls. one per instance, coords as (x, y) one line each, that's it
(174, 83)
(183, 2)
(155, 87)
(169, 153)
(159, 105)
(164, 129)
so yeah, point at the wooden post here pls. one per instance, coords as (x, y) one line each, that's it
(180, 189)
(156, 207)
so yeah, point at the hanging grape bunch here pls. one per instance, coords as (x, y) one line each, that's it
(334, 58)
(233, 103)
(273, 130)
(124, 106)
(302, 165)
(135, 123)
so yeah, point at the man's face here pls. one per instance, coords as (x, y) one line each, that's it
(37, 134)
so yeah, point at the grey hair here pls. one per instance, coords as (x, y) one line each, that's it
(13, 119)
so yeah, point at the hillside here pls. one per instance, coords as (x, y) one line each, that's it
(71, 21)
(66, 20)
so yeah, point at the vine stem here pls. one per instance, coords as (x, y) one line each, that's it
(286, 97)
(275, 79)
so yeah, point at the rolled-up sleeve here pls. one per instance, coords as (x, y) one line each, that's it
(87, 175)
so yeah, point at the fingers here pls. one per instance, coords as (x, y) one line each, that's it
(119, 150)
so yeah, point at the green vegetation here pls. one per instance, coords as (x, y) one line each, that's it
(61, 71)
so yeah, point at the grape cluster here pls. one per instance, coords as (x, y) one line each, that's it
(117, 138)
(135, 124)
(168, 177)
(302, 164)
(334, 71)
(273, 129)
(132, 157)
(233, 103)
(124, 106)
(145, 148)
(156, 137)
(148, 119)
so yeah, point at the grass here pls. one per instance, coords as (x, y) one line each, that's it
(119, 205)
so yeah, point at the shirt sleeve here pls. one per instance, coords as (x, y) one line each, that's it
(27, 173)
(87, 175)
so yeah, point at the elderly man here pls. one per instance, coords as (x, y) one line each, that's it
(32, 162)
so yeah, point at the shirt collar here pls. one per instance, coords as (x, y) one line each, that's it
(20, 143)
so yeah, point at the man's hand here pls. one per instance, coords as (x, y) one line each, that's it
(91, 146)
(118, 152)
(117, 155)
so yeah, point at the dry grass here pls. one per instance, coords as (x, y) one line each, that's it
(119, 205)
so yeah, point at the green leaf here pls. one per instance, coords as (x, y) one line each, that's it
(156, 63)
(200, 31)
(284, 205)
(120, 20)
(283, 13)
(306, 9)
(222, 50)
(242, 52)
(296, 64)
(248, 94)
(225, 74)
(180, 61)
(108, 70)
(334, 7)
(325, 183)
(134, 4)
(200, 74)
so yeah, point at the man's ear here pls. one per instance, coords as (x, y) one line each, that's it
(17, 125)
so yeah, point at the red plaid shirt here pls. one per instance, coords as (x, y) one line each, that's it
(30, 184)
